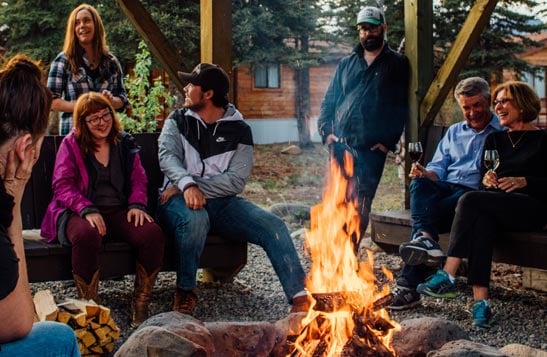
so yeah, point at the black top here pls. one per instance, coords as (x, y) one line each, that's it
(108, 187)
(9, 268)
(522, 153)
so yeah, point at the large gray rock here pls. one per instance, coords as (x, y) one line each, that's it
(517, 350)
(235, 339)
(167, 332)
(421, 335)
(157, 341)
(465, 348)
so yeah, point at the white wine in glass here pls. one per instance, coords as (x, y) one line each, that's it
(415, 151)
(491, 159)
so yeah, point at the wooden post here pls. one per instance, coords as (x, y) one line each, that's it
(216, 35)
(419, 50)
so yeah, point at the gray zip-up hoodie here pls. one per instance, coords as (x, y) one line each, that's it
(217, 157)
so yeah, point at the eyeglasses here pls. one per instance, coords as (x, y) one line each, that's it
(94, 121)
(369, 29)
(502, 101)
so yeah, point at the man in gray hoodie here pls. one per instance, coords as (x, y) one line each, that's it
(206, 155)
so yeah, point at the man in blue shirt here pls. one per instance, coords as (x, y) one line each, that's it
(436, 188)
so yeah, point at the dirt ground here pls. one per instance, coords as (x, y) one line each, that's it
(278, 177)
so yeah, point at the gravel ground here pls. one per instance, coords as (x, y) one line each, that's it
(256, 295)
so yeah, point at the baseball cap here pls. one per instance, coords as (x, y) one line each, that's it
(208, 76)
(371, 15)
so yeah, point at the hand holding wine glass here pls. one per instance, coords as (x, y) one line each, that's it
(491, 162)
(415, 151)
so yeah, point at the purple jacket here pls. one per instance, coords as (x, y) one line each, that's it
(71, 184)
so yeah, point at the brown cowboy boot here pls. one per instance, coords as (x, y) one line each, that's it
(88, 291)
(141, 295)
(185, 301)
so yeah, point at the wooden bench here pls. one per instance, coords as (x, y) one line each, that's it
(221, 259)
(391, 228)
(528, 249)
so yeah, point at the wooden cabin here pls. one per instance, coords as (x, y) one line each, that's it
(537, 56)
(267, 99)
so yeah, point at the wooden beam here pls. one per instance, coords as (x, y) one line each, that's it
(419, 51)
(448, 73)
(216, 34)
(154, 38)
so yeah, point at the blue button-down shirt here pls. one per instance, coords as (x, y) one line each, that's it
(458, 155)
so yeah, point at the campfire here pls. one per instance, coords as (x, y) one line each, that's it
(348, 318)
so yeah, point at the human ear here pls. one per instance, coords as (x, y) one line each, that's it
(21, 145)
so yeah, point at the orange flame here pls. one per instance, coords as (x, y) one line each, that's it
(335, 268)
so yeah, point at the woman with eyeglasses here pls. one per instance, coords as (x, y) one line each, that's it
(515, 198)
(99, 193)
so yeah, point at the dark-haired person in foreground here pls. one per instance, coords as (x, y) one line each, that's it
(24, 105)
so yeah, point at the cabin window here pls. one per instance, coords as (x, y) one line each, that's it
(267, 76)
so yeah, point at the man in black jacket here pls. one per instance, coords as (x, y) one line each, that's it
(366, 107)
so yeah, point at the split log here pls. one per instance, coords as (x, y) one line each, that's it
(45, 306)
(94, 327)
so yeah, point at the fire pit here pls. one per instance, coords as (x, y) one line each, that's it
(348, 317)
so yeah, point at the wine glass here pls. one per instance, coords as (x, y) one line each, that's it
(491, 159)
(415, 151)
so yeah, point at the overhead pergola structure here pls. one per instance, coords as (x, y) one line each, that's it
(427, 91)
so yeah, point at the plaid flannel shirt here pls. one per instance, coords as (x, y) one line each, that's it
(64, 84)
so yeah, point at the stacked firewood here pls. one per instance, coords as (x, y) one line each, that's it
(95, 329)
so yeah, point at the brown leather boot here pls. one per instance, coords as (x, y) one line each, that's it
(88, 291)
(185, 301)
(142, 295)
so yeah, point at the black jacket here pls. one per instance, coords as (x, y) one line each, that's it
(365, 104)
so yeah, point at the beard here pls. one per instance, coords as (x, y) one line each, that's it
(373, 42)
(195, 107)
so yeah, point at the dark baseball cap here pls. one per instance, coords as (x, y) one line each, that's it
(208, 76)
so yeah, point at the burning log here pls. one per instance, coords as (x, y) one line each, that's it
(363, 340)
(349, 319)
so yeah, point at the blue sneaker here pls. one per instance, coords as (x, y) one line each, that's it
(438, 285)
(482, 315)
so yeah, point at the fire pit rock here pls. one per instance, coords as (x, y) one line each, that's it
(242, 338)
(167, 332)
(154, 341)
(421, 335)
(175, 332)
(466, 348)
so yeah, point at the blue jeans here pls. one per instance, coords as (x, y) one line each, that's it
(45, 339)
(236, 219)
(432, 208)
